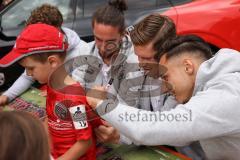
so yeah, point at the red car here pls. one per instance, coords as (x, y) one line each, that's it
(216, 21)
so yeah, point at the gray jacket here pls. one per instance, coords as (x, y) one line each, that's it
(211, 116)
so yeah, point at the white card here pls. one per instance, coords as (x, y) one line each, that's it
(79, 116)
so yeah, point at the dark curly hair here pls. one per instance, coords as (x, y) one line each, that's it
(47, 14)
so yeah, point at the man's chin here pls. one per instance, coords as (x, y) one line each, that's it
(182, 101)
(179, 99)
(41, 82)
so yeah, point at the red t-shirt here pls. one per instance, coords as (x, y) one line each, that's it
(68, 120)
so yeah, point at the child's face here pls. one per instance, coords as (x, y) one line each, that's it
(38, 70)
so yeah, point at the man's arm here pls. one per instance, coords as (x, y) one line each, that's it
(19, 86)
(106, 133)
(203, 117)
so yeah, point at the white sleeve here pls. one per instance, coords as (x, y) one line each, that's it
(125, 140)
(19, 86)
(200, 118)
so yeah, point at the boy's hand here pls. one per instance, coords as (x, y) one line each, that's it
(107, 133)
(77, 150)
(3, 100)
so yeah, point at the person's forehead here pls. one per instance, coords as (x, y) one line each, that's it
(146, 51)
(105, 32)
(170, 64)
(163, 60)
(27, 61)
(175, 60)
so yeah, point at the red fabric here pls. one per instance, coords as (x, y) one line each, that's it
(61, 128)
(36, 38)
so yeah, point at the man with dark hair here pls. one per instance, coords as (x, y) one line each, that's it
(208, 91)
(95, 67)
(108, 24)
(117, 61)
(186, 53)
(149, 35)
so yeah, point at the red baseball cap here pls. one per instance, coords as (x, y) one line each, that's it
(35, 39)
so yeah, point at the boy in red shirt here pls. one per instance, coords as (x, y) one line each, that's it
(41, 49)
(67, 107)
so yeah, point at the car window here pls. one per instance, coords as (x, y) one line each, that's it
(179, 2)
(141, 4)
(91, 5)
(138, 9)
(16, 16)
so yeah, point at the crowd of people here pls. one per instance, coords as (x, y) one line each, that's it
(141, 85)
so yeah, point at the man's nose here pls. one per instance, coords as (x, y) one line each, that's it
(142, 63)
(142, 60)
(102, 47)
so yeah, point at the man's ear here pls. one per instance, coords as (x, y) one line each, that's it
(188, 66)
(54, 61)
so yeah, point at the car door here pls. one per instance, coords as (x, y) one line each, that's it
(218, 25)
